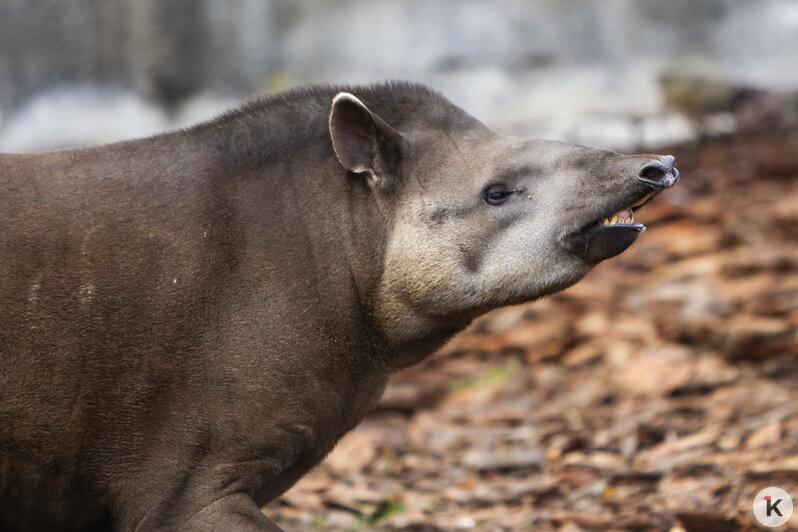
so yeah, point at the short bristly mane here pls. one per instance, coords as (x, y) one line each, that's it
(395, 101)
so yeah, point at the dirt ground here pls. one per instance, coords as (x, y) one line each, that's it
(660, 393)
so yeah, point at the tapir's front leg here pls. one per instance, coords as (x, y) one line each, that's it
(236, 512)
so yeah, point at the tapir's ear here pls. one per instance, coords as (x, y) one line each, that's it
(364, 142)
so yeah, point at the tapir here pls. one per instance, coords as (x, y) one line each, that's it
(189, 322)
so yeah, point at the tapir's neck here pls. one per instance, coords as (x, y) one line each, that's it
(398, 335)
(347, 227)
(412, 336)
(331, 228)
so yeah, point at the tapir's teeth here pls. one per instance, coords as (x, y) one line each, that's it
(620, 217)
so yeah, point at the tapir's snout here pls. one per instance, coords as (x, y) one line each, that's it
(660, 174)
(615, 229)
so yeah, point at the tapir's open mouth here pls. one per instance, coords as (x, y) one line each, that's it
(625, 216)
(608, 235)
(614, 230)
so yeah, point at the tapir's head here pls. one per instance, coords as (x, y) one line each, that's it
(480, 220)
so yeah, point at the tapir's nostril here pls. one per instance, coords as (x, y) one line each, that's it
(653, 172)
(660, 174)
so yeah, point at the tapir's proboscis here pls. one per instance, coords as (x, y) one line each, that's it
(189, 322)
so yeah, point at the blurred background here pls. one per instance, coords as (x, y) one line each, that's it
(608, 73)
(661, 393)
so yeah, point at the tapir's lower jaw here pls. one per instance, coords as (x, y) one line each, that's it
(600, 242)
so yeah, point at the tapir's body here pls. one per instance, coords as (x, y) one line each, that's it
(189, 322)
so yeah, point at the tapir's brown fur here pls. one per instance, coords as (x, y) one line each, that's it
(189, 322)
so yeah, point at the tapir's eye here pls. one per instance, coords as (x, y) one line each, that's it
(498, 194)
